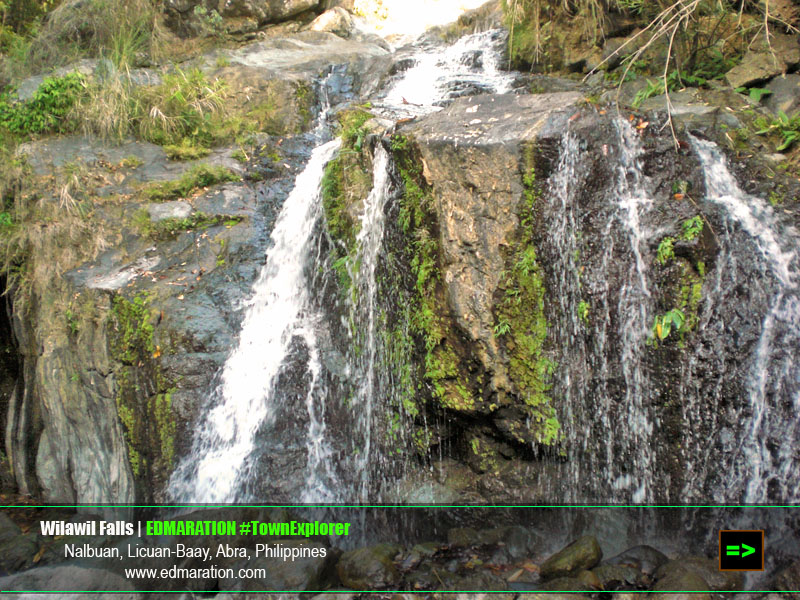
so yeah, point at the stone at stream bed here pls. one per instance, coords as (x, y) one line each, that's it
(369, 568)
(679, 581)
(619, 576)
(643, 558)
(787, 579)
(705, 568)
(583, 553)
(8, 529)
(567, 584)
(299, 574)
(17, 553)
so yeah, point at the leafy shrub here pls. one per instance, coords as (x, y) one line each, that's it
(691, 228)
(787, 127)
(663, 324)
(48, 110)
(666, 251)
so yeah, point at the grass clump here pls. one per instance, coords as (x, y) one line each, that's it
(199, 176)
(126, 33)
(186, 150)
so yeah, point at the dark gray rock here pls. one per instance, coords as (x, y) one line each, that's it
(762, 62)
(619, 576)
(785, 96)
(70, 577)
(676, 584)
(463, 537)
(8, 529)
(17, 553)
(645, 559)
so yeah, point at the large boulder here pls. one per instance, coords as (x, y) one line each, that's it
(336, 20)
(705, 568)
(297, 574)
(473, 156)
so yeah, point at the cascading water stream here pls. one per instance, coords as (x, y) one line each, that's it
(274, 316)
(438, 75)
(762, 464)
(610, 423)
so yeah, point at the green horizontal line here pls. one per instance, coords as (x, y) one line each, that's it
(387, 592)
(474, 506)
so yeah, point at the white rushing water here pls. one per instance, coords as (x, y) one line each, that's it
(321, 484)
(635, 429)
(440, 73)
(763, 460)
(274, 316)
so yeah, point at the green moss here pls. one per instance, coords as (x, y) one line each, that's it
(171, 227)
(143, 399)
(690, 296)
(442, 369)
(484, 456)
(305, 100)
(346, 181)
(199, 176)
(522, 309)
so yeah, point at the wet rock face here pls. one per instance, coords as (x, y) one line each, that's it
(472, 155)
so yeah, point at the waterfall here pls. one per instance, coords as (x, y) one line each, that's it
(363, 365)
(761, 463)
(276, 313)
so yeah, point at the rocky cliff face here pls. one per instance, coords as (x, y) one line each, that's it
(564, 238)
(123, 319)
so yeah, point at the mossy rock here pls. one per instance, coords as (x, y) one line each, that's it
(583, 553)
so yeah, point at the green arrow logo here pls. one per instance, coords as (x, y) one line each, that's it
(734, 550)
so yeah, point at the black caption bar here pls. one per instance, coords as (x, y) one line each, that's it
(590, 550)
